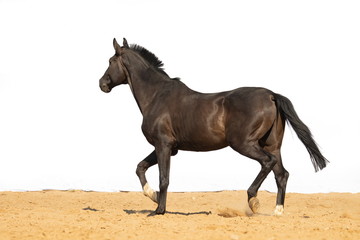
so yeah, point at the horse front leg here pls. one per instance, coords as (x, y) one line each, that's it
(141, 169)
(163, 153)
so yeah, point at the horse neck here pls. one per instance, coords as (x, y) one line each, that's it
(146, 84)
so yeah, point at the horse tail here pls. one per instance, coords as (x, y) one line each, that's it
(288, 113)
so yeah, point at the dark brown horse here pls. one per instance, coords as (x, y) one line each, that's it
(250, 120)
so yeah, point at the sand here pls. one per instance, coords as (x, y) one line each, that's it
(200, 215)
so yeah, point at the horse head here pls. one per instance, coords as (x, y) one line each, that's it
(116, 73)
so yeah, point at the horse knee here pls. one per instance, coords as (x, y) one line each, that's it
(164, 183)
(141, 169)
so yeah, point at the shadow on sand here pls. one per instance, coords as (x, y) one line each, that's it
(149, 212)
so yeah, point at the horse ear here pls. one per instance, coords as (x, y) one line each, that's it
(125, 43)
(116, 47)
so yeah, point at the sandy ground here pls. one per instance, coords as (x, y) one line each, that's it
(205, 215)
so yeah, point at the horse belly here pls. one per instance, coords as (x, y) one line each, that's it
(203, 136)
(200, 146)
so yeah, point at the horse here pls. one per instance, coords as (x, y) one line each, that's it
(251, 120)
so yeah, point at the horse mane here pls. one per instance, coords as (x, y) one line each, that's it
(151, 58)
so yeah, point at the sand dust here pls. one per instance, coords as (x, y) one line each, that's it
(205, 215)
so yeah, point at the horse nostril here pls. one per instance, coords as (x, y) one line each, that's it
(108, 80)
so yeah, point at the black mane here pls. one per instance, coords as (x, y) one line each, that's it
(150, 58)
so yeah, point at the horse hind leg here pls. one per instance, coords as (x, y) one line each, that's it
(141, 169)
(267, 161)
(281, 177)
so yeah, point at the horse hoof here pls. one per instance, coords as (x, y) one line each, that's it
(160, 211)
(153, 195)
(156, 212)
(254, 204)
(279, 210)
(152, 214)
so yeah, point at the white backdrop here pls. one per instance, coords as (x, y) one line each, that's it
(59, 131)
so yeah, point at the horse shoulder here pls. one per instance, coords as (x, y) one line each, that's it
(158, 128)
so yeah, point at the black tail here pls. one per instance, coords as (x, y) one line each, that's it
(288, 113)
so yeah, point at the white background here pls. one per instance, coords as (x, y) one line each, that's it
(59, 131)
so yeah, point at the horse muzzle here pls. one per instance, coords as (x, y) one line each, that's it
(105, 88)
(104, 84)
